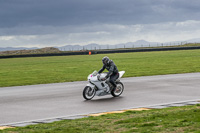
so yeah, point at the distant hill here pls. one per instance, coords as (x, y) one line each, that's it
(195, 40)
(16, 48)
(31, 51)
(94, 46)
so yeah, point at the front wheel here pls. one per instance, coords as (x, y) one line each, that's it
(118, 90)
(88, 93)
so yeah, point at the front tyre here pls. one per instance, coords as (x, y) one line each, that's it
(88, 93)
(118, 90)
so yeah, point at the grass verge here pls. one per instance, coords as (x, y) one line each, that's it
(169, 120)
(43, 70)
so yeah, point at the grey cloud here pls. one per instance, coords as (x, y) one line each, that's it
(62, 22)
(68, 12)
(110, 34)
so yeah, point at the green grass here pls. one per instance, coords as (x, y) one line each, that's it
(42, 70)
(168, 120)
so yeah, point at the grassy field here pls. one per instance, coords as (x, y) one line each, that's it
(168, 120)
(42, 70)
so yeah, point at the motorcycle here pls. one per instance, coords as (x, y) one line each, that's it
(100, 87)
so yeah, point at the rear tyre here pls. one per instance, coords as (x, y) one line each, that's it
(118, 90)
(88, 93)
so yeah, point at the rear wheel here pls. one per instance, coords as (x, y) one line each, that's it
(88, 93)
(118, 90)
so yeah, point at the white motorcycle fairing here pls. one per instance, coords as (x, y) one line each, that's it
(100, 88)
(95, 83)
(121, 73)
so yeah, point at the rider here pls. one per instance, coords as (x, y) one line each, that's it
(112, 68)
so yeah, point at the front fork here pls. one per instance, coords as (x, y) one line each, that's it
(92, 86)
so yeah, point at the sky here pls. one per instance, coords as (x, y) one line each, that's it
(46, 23)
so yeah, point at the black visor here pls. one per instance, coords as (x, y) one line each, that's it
(104, 62)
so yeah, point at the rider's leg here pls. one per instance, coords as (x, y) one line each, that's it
(113, 78)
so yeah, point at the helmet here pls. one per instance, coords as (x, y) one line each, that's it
(105, 60)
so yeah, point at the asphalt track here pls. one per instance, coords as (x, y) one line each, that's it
(40, 102)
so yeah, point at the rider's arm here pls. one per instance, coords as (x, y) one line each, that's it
(102, 69)
(110, 70)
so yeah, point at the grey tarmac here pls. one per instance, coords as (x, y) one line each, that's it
(24, 105)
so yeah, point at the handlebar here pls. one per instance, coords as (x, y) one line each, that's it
(98, 77)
